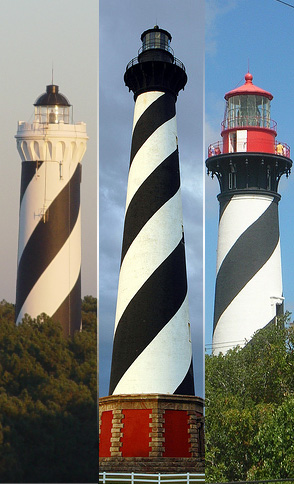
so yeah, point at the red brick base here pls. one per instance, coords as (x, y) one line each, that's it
(151, 433)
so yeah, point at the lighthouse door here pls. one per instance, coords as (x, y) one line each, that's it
(242, 140)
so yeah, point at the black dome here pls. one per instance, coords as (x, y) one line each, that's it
(52, 97)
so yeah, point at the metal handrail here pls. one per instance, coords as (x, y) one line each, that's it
(150, 45)
(248, 122)
(175, 61)
(215, 149)
(280, 149)
(285, 151)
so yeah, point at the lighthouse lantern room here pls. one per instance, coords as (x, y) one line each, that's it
(155, 38)
(52, 107)
(247, 124)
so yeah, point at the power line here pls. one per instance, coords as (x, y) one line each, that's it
(285, 3)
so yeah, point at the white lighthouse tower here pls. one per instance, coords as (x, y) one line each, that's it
(248, 164)
(49, 248)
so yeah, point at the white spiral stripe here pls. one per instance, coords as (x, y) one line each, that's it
(57, 281)
(143, 102)
(253, 307)
(161, 144)
(240, 213)
(148, 373)
(154, 243)
(42, 190)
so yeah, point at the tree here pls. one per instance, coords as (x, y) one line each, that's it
(244, 391)
(274, 446)
(48, 402)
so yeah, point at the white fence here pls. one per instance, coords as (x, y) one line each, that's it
(134, 478)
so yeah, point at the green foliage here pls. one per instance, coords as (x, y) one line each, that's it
(48, 399)
(274, 444)
(249, 399)
(89, 314)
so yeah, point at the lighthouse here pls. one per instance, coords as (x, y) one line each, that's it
(49, 247)
(248, 164)
(152, 416)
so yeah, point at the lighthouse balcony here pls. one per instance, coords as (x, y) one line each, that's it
(154, 57)
(155, 70)
(279, 148)
(35, 130)
(257, 121)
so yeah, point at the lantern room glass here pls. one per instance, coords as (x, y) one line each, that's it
(53, 114)
(248, 110)
(156, 40)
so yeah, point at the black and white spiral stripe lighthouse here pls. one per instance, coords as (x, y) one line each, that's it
(248, 164)
(49, 249)
(152, 345)
(152, 412)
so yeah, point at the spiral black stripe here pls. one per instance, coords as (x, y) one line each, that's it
(187, 385)
(148, 312)
(70, 310)
(246, 257)
(164, 180)
(154, 116)
(48, 238)
(28, 171)
(222, 207)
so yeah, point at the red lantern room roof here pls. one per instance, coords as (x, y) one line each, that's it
(248, 88)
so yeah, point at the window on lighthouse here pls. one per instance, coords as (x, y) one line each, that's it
(248, 110)
(52, 114)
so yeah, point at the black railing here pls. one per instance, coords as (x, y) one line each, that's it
(175, 61)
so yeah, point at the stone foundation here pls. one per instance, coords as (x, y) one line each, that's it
(150, 465)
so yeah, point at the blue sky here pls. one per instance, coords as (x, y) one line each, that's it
(261, 33)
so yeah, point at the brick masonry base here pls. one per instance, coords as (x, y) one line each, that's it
(151, 433)
(145, 465)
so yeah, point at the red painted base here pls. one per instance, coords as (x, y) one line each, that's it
(151, 426)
